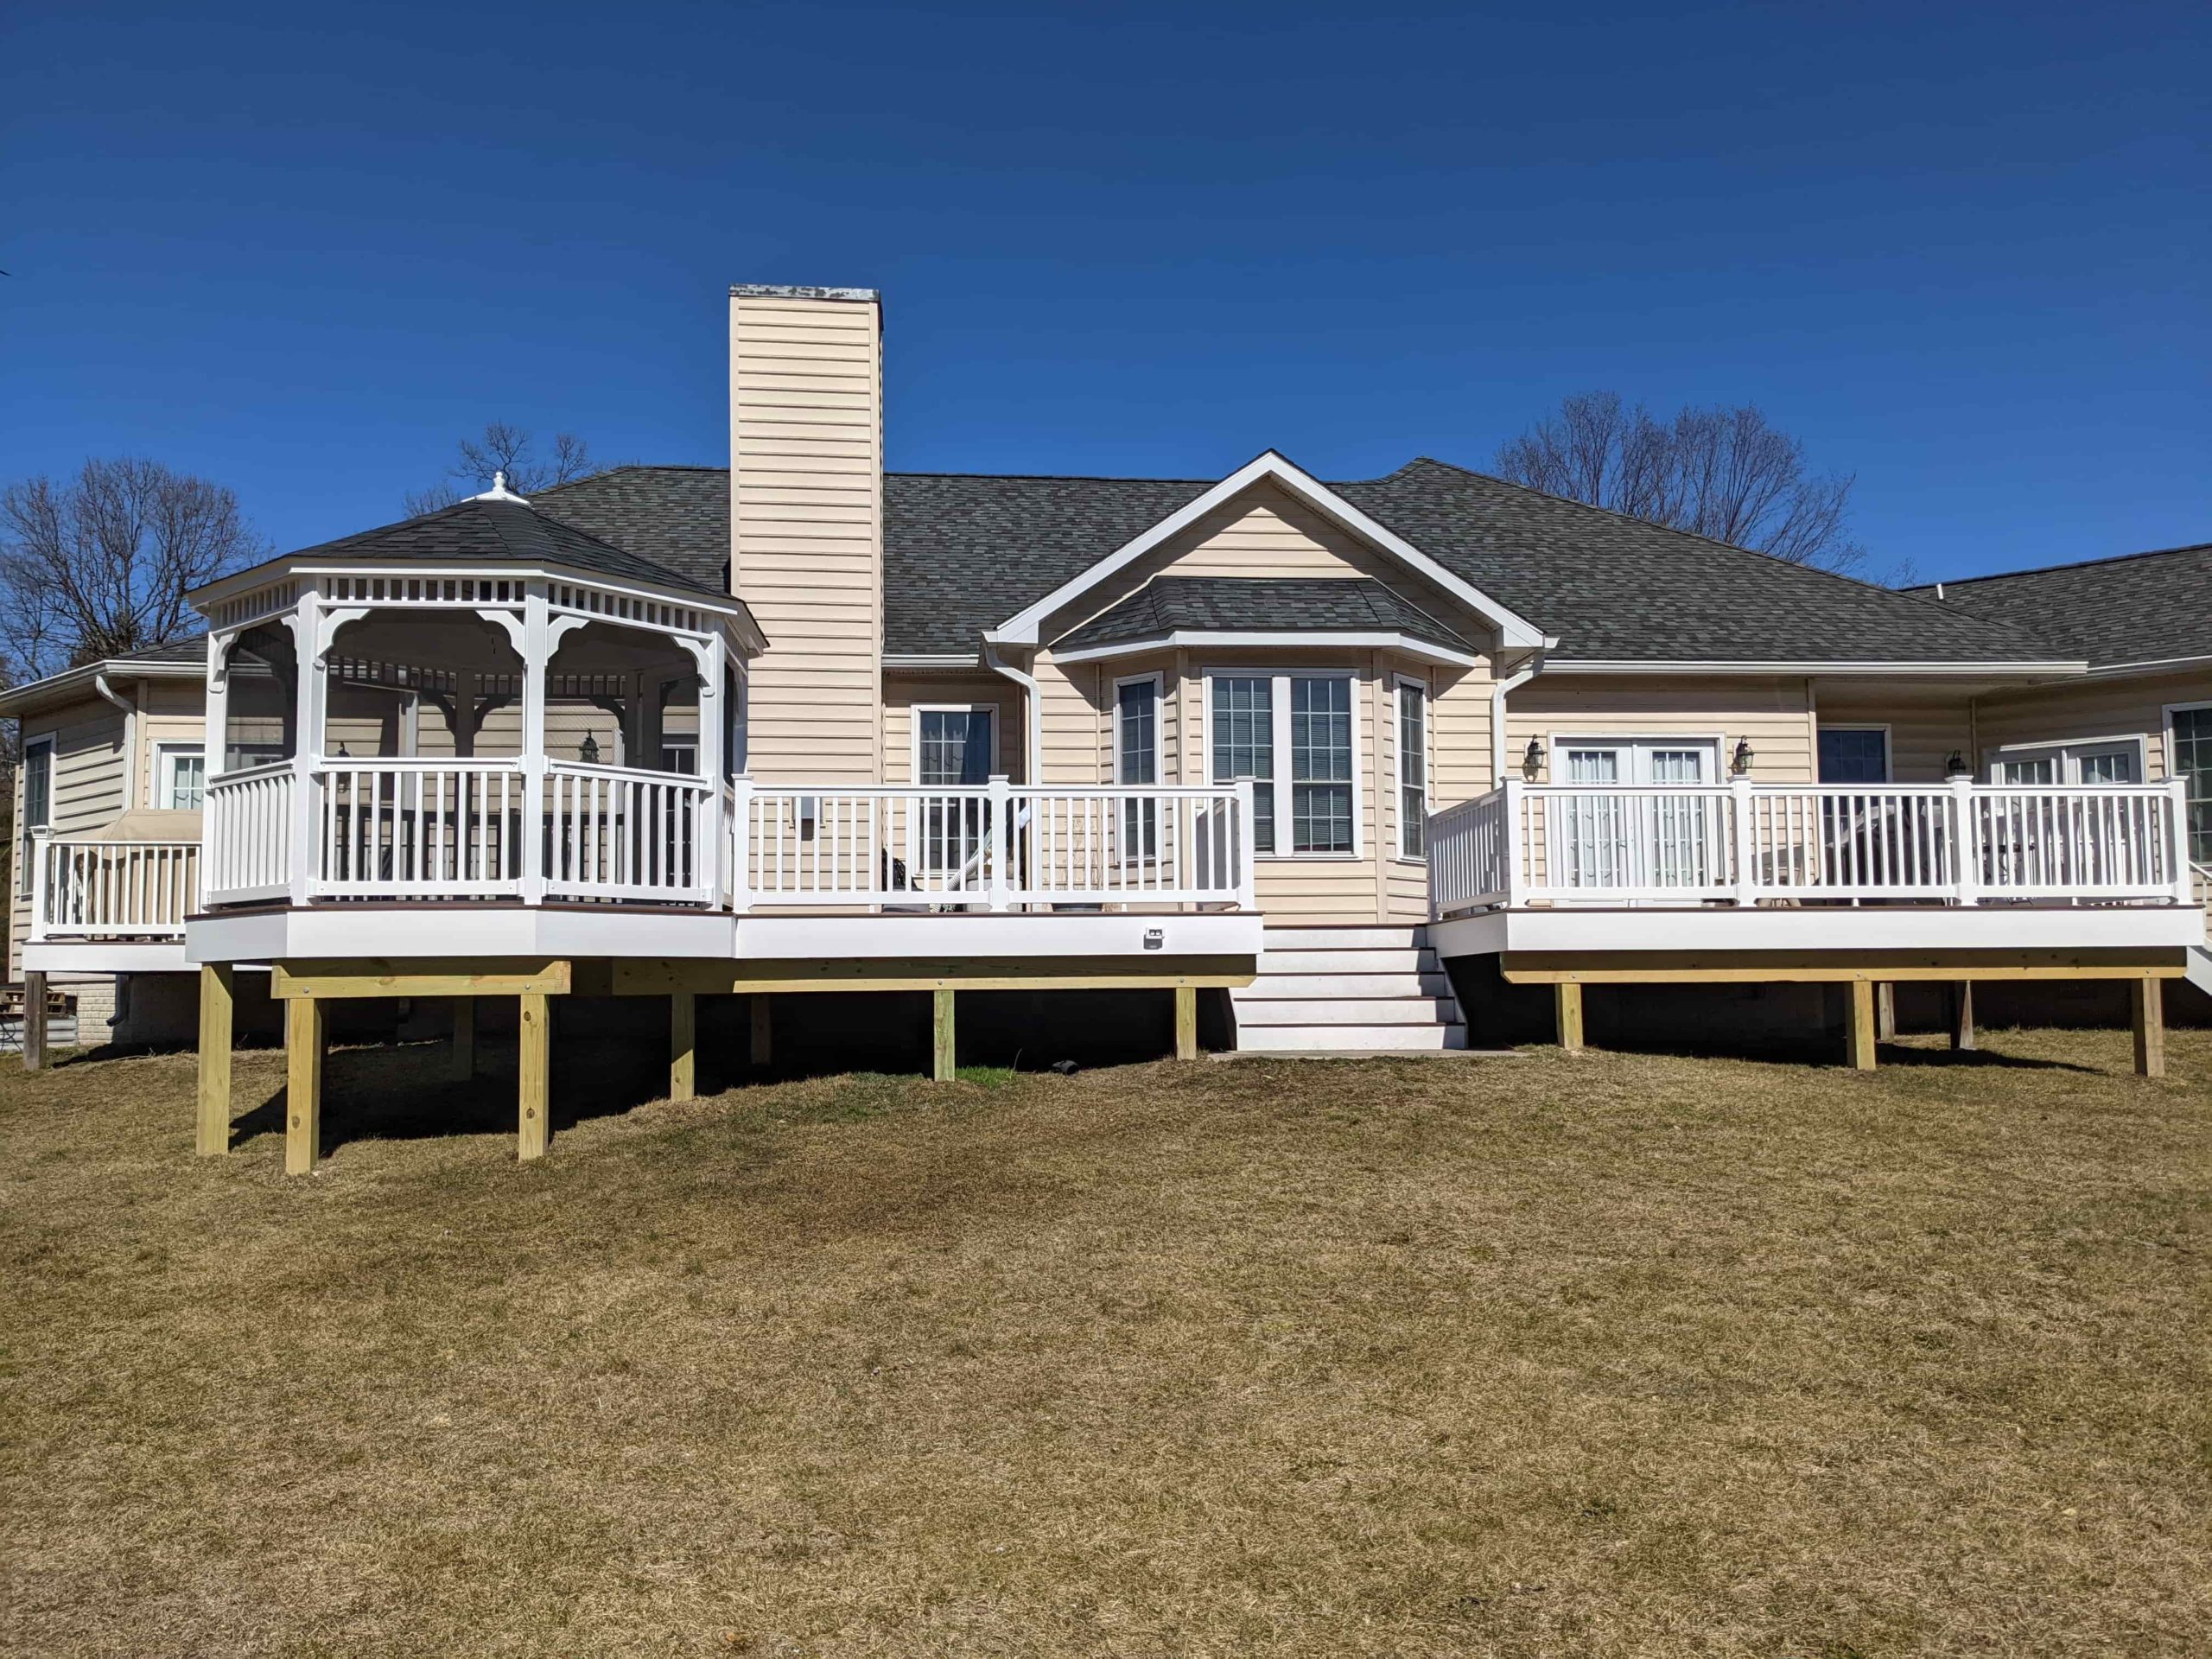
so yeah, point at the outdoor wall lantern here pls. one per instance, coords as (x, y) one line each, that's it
(587, 751)
(1955, 766)
(1532, 759)
(1739, 763)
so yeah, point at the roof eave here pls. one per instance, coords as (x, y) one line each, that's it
(1978, 670)
(71, 684)
(1273, 639)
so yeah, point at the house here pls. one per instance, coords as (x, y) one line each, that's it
(1298, 756)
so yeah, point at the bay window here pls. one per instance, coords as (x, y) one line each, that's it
(1307, 718)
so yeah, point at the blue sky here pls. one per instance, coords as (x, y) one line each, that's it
(1961, 251)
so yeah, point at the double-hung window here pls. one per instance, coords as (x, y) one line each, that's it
(179, 776)
(2108, 760)
(2191, 761)
(38, 802)
(1136, 760)
(1309, 804)
(1413, 769)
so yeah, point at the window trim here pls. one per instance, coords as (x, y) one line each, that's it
(2067, 749)
(1889, 748)
(25, 829)
(915, 713)
(1279, 728)
(1398, 682)
(1158, 682)
(167, 752)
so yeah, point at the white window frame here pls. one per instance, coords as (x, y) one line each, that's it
(2068, 752)
(24, 827)
(1398, 682)
(1889, 748)
(1716, 742)
(2166, 716)
(1157, 681)
(915, 711)
(166, 753)
(1279, 726)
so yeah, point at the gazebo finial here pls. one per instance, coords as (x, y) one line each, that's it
(500, 491)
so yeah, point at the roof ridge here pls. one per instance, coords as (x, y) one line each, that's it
(2063, 565)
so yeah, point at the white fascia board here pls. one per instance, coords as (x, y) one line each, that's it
(71, 684)
(933, 659)
(2156, 665)
(1021, 628)
(698, 599)
(1279, 639)
(1980, 671)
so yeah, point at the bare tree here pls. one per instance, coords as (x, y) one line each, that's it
(504, 448)
(99, 565)
(1723, 473)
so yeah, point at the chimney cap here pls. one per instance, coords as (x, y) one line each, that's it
(791, 291)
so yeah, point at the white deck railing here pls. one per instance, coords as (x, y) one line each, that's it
(998, 847)
(1743, 843)
(444, 829)
(113, 889)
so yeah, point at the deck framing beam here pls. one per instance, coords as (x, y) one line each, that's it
(1754, 967)
(368, 977)
(639, 976)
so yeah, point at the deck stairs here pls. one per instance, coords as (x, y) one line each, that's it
(2200, 967)
(1348, 990)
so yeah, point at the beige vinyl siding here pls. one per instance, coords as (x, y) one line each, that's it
(87, 784)
(807, 526)
(2085, 709)
(171, 712)
(903, 693)
(1926, 726)
(1776, 714)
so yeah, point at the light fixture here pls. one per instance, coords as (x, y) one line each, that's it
(342, 755)
(1740, 762)
(587, 751)
(1532, 759)
(1954, 765)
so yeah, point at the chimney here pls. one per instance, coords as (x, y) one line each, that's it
(806, 525)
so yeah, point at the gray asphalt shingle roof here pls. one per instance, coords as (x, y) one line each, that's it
(963, 552)
(503, 532)
(1261, 605)
(2139, 608)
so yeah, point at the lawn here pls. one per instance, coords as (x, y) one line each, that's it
(1587, 1356)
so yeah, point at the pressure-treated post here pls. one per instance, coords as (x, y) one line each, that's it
(1860, 1033)
(534, 1077)
(1187, 1022)
(941, 1047)
(2146, 1007)
(1962, 1037)
(34, 1021)
(1566, 1013)
(1885, 1013)
(217, 999)
(763, 1016)
(302, 1084)
(683, 1045)
(460, 1058)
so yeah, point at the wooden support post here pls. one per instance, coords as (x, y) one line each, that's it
(302, 1084)
(1962, 1037)
(1566, 1013)
(1861, 1029)
(2146, 1005)
(461, 1060)
(211, 1135)
(534, 1077)
(1885, 1013)
(34, 1022)
(941, 1065)
(1187, 1022)
(683, 1046)
(763, 1051)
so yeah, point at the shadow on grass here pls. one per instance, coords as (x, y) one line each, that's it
(1975, 1059)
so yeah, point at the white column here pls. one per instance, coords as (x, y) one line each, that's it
(308, 703)
(1001, 830)
(709, 834)
(2177, 805)
(1511, 838)
(536, 654)
(215, 726)
(1966, 843)
(1740, 809)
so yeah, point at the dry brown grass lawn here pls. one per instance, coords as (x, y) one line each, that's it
(1603, 1356)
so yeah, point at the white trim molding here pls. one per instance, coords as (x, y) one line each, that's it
(1285, 640)
(1282, 785)
(1515, 631)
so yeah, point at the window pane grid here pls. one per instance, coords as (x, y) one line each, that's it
(1413, 771)
(1320, 765)
(2193, 764)
(1244, 745)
